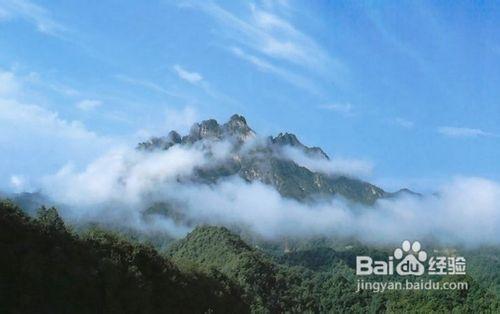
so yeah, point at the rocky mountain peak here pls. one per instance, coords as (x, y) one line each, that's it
(237, 119)
(237, 127)
(268, 162)
(287, 139)
(291, 140)
(207, 129)
(174, 137)
(164, 142)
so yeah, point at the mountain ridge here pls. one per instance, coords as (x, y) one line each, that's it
(265, 159)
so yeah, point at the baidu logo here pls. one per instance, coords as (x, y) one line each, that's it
(410, 259)
(412, 263)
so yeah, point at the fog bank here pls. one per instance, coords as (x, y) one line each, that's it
(120, 185)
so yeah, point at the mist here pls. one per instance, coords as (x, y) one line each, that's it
(117, 187)
(333, 166)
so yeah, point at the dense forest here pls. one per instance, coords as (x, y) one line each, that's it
(48, 267)
(44, 268)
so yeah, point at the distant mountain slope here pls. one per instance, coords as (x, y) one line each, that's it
(265, 160)
(30, 201)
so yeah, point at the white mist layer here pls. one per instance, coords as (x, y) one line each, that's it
(120, 185)
(334, 166)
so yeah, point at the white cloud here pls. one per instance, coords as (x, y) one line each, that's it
(407, 124)
(466, 211)
(116, 187)
(38, 119)
(267, 38)
(191, 77)
(460, 132)
(460, 215)
(32, 13)
(270, 34)
(334, 166)
(88, 104)
(34, 139)
(120, 185)
(290, 77)
(282, 40)
(9, 85)
(19, 183)
(344, 108)
(122, 175)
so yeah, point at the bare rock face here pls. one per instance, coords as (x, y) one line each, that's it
(238, 128)
(284, 139)
(208, 129)
(163, 143)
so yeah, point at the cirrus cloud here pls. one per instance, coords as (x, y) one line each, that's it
(88, 104)
(191, 77)
(462, 132)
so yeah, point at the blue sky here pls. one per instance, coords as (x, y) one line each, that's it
(411, 87)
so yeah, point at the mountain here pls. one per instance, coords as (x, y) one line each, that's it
(265, 159)
(29, 201)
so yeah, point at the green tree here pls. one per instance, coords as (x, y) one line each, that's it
(49, 218)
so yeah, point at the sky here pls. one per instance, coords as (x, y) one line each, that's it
(410, 87)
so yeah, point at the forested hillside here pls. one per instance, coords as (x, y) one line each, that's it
(320, 280)
(46, 269)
